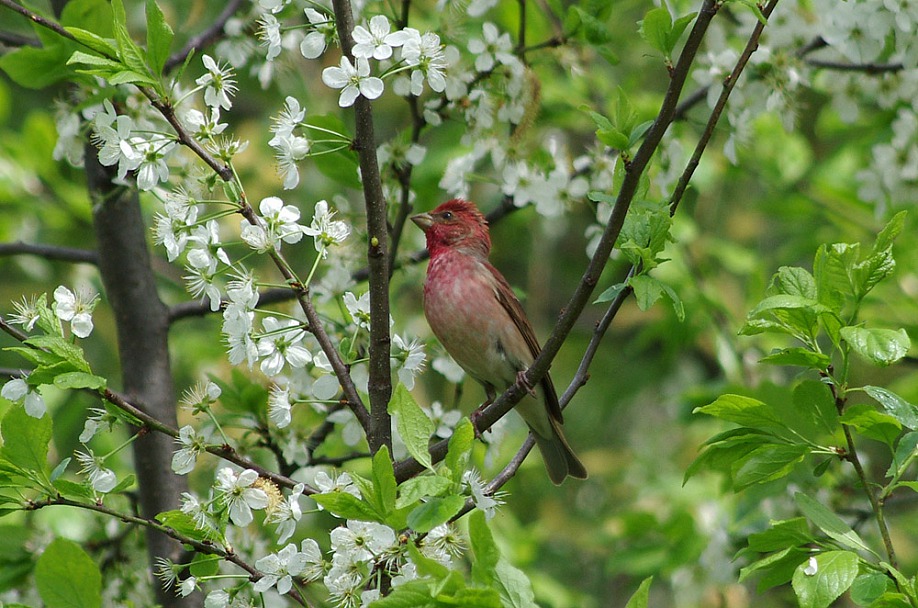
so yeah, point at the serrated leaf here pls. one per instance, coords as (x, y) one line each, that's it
(615, 139)
(36, 68)
(781, 535)
(835, 572)
(71, 353)
(75, 380)
(459, 449)
(647, 290)
(897, 407)
(384, 481)
(26, 439)
(413, 424)
(66, 577)
(159, 37)
(879, 346)
(795, 281)
(93, 41)
(655, 29)
(428, 515)
(830, 523)
(867, 587)
(776, 568)
(131, 77)
(184, 524)
(871, 423)
(767, 463)
(484, 550)
(412, 490)
(347, 506)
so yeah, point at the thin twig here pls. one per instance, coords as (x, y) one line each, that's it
(50, 252)
(206, 37)
(12, 39)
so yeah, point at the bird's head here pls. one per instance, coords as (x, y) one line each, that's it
(456, 224)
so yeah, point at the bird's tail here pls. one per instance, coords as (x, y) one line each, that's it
(558, 456)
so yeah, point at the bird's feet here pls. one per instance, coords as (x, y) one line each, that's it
(521, 380)
(476, 415)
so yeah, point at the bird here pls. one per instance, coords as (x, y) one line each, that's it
(475, 315)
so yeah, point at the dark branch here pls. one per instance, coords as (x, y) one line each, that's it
(50, 252)
(205, 38)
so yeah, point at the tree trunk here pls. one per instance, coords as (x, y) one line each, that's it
(142, 325)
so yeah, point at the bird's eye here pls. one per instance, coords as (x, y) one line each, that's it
(447, 215)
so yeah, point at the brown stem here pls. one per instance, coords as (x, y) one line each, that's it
(50, 252)
(380, 381)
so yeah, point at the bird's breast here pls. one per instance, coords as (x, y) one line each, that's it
(463, 311)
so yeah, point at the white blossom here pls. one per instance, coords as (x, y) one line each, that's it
(19, 391)
(239, 496)
(101, 479)
(353, 81)
(375, 43)
(219, 83)
(75, 308)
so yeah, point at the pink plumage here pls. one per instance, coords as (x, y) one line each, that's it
(472, 310)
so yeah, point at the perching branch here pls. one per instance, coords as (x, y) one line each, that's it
(380, 382)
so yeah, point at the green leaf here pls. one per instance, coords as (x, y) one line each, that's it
(434, 512)
(676, 301)
(868, 587)
(25, 440)
(484, 550)
(159, 37)
(412, 490)
(66, 577)
(414, 594)
(514, 586)
(184, 524)
(895, 406)
(871, 423)
(93, 41)
(781, 535)
(768, 463)
(36, 68)
(611, 293)
(72, 380)
(460, 449)
(67, 351)
(795, 281)
(414, 426)
(204, 565)
(889, 233)
(835, 572)
(647, 290)
(814, 401)
(832, 270)
(615, 139)
(800, 356)
(641, 597)
(879, 346)
(742, 410)
(905, 448)
(384, 481)
(678, 28)
(775, 569)
(656, 28)
(348, 506)
(830, 523)
(131, 77)
(79, 57)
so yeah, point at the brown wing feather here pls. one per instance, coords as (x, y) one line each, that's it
(513, 307)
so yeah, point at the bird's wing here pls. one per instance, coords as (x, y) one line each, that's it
(513, 307)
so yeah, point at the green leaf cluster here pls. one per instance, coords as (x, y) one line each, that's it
(120, 60)
(420, 503)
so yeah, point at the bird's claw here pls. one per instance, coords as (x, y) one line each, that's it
(521, 380)
(476, 415)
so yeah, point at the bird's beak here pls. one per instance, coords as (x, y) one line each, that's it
(423, 220)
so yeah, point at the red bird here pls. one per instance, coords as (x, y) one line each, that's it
(473, 312)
